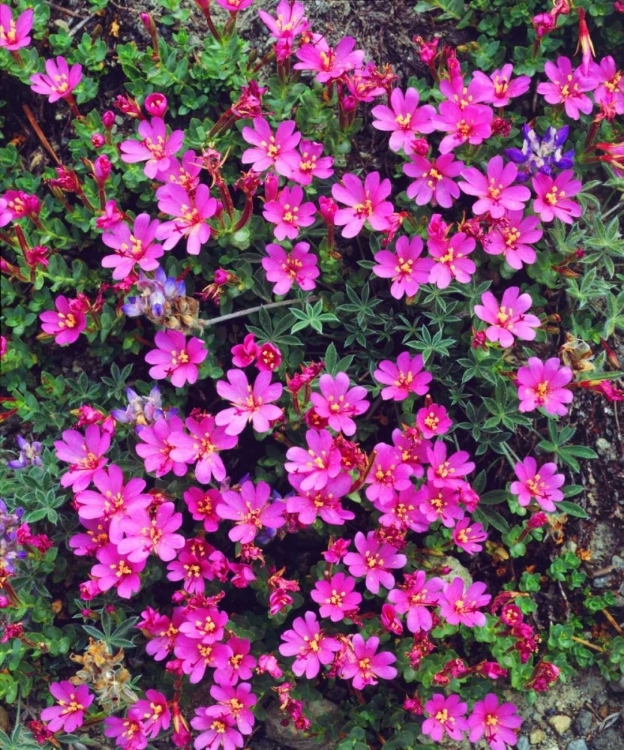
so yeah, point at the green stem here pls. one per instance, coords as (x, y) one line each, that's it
(249, 311)
(510, 455)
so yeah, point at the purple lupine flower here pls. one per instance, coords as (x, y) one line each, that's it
(541, 154)
(29, 454)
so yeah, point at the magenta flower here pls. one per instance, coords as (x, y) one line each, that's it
(365, 202)
(507, 319)
(286, 268)
(433, 421)
(336, 596)
(277, 151)
(202, 505)
(541, 485)
(388, 475)
(543, 384)
(60, 81)
(553, 196)
(235, 702)
(191, 214)
(450, 260)
(499, 88)
(567, 87)
(201, 447)
(234, 6)
(434, 179)
(405, 267)
(16, 204)
(311, 647)
(244, 354)
(472, 125)
(155, 147)
(155, 447)
(251, 509)
(240, 665)
(308, 504)
(84, 453)
(197, 656)
(414, 597)
(153, 712)
(73, 701)
(290, 21)
(14, 34)
(328, 63)
(195, 565)
(185, 173)
(288, 213)
(459, 606)
(117, 571)
(364, 665)
(132, 247)
(513, 237)
(493, 190)
(206, 624)
(316, 465)
(129, 732)
(374, 560)
(403, 118)
(402, 512)
(497, 723)
(469, 536)
(310, 165)
(249, 403)
(445, 715)
(447, 472)
(176, 358)
(152, 533)
(67, 324)
(403, 378)
(610, 88)
(440, 504)
(338, 403)
(219, 731)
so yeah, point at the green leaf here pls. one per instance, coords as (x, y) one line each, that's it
(491, 518)
(494, 497)
(572, 509)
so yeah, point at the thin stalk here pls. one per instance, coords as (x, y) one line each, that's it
(249, 311)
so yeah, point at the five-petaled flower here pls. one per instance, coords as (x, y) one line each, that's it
(403, 378)
(15, 34)
(155, 148)
(73, 701)
(309, 645)
(175, 357)
(544, 384)
(365, 203)
(60, 81)
(507, 319)
(251, 509)
(364, 665)
(68, 323)
(445, 715)
(286, 268)
(540, 484)
(404, 266)
(498, 723)
(553, 197)
(249, 403)
(338, 403)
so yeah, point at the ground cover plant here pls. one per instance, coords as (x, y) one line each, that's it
(281, 413)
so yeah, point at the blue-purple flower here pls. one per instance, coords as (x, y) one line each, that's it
(541, 154)
(157, 295)
(29, 455)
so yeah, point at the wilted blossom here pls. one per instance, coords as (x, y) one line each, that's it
(498, 724)
(14, 34)
(445, 716)
(67, 323)
(541, 154)
(540, 484)
(60, 81)
(155, 147)
(29, 455)
(542, 384)
(507, 320)
(364, 665)
(403, 378)
(176, 358)
(404, 266)
(73, 701)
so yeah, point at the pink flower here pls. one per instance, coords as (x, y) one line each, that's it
(403, 118)
(311, 647)
(240, 665)
(289, 213)
(153, 712)
(269, 358)
(156, 104)
(132, 247)
(251, 509)
(195, 564)
(374, 560)
(201, 447)
(191, 214)
(497, 723)
(176, 358)
(111, 216)
(459, 606)
(272, 151)
(472, 125)
(447, 472)
(156, 447)
(567, 87)
(129, 733)
(85, 453)
(541, 485)
(155, 148)
(402, 512)
(15, 204)
(433, 421)
(512, 237)
(244, 354)
(338, 403)
(219, 731)
(197, 656)
(202, 505)
(185, 173)
(450, 260)
(152, 533)
(316, 465)
(445, 715)
(543, 384)
(365, 202)
(507, 319)
(434, 179)
(117, 571)
(234, 6)
(206, 624)
(73, 701)
(310, 166)
(290, 21)
(405, 267)
(610, 88)
(308, 504)
(328, 63)
(403, 378)
(388, 475)
(14, 34)
(364, 665)
(440, 504)
(498, 88)
(494, 191)
(67, 324)
(59, 82)
(336, 596)
(249, 403)
(415, 596)
(553, 196)
(468, 536)
(286, 268)
(235, 702)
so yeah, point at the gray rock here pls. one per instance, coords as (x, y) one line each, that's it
(617, 562)
(603, 582)
(321, 712)
(610, 739)
(577, 745)
(523, 743)
(583, 721)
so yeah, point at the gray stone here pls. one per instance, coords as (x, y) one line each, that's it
(610, 739)
(617, 562)
(560, 723)
(321, 712)
(577, 745)
(523, 743)
(583, 721)
(457, 570)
